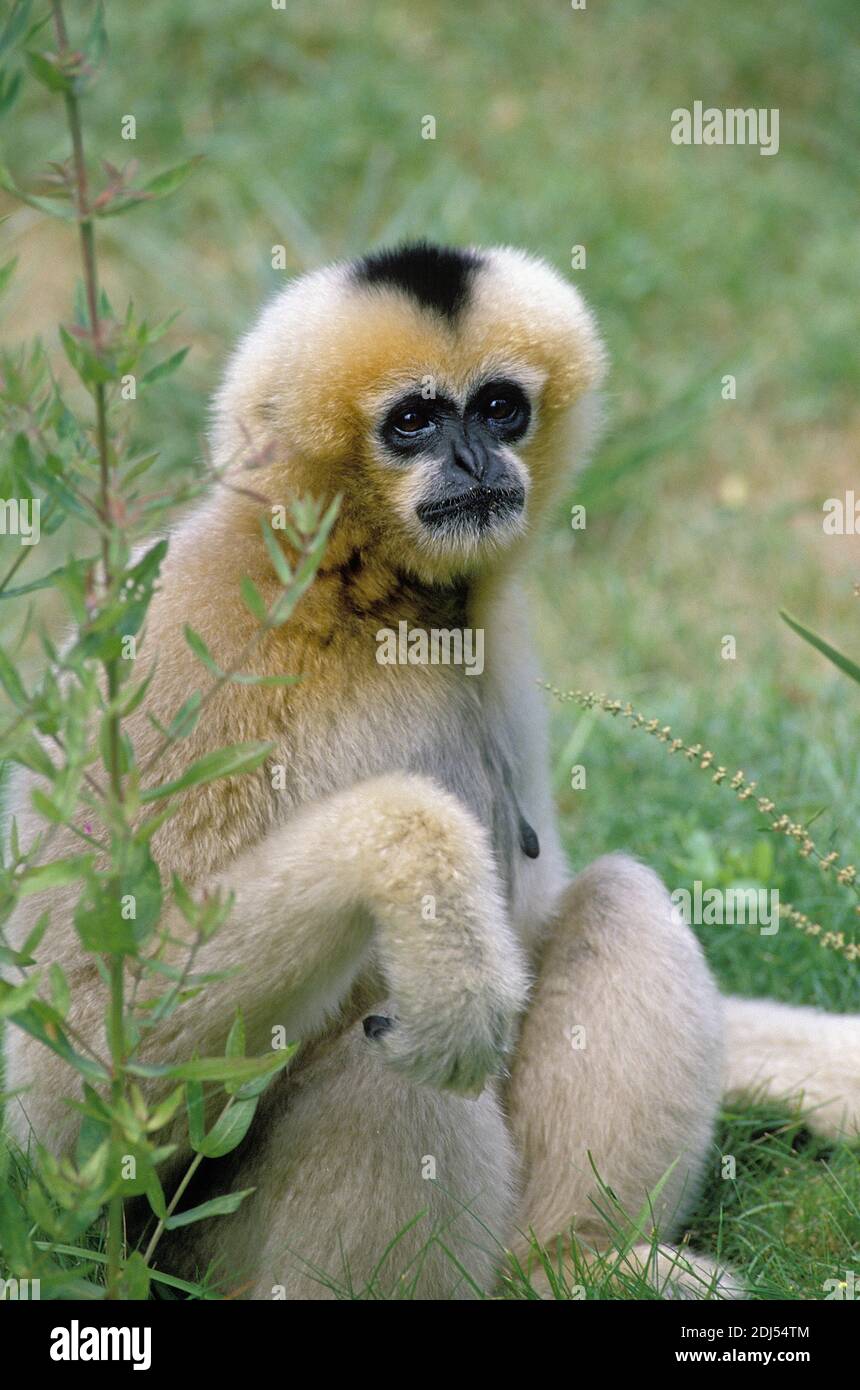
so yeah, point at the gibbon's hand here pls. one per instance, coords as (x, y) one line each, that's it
(455, 1005)
(455, 973)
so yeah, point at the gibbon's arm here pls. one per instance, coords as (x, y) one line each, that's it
(395, 874)
(341, 886)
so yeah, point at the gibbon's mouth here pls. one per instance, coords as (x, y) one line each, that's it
(480, 506)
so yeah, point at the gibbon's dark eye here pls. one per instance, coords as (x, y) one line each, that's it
(411, 422)
(504, 407)
(500, 408)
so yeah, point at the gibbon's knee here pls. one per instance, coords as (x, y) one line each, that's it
(621, 907)
(647, 961)
(620, 1056)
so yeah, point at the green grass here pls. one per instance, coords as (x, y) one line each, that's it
(704, 515)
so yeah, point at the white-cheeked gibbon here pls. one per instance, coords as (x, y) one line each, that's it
(403, 907)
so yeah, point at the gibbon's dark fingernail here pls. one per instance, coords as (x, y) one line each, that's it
(375, 1025)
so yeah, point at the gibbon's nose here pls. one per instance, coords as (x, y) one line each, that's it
(468, 452)
(472, 460)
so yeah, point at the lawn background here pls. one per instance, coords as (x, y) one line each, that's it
(704, 515)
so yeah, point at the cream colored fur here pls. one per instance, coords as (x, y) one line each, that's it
(476, 1118)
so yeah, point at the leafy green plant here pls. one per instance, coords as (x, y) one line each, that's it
(748, 791)
(75, 467)
(840, 661)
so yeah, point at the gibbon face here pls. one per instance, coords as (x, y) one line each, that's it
(441, 392)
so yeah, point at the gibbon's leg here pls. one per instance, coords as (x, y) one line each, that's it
(619, 1063)
(393, 875)
(367, 1185)
(800, 1055)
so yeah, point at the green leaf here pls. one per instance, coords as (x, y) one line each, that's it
(236, 1038)
(11, 682)
(88, 365)
(14, 1232)
(60, 994)
(9, 91)
(98, 1257)
(165, 368)
(254, 600)
(200, 649)
(134, 1282)
(94, 1132)
(117, 911)
(170, 179)
(46, 205)
(54, 875)
(14, 999)
(29, 752)
(16, 24)
(276, 554)
(47, 807)
(10, 957)
(229, 1129)
(240, 1069)
(6, 273)
(164, 1112)
(96, 42)
(218, 1206)
(36, 934)
(41, 1211)
(256, 1088)
(223, 762)
(185, 720)
(155, 1194)
(44, 1023)
(131, 697)
(48, 581)
(239, 679)
(843, 663)
(47, 72)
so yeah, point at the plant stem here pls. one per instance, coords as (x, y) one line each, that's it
(91, 284)
(174, 1201)
(111, 665)
(161, 1227)
(117, 1052)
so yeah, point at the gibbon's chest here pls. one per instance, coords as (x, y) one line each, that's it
(436, 721)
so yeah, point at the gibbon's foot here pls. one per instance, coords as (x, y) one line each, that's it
(682, 1274)
(672, 1273)
(795, 1055)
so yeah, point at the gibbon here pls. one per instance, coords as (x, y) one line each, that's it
(485, 1039)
